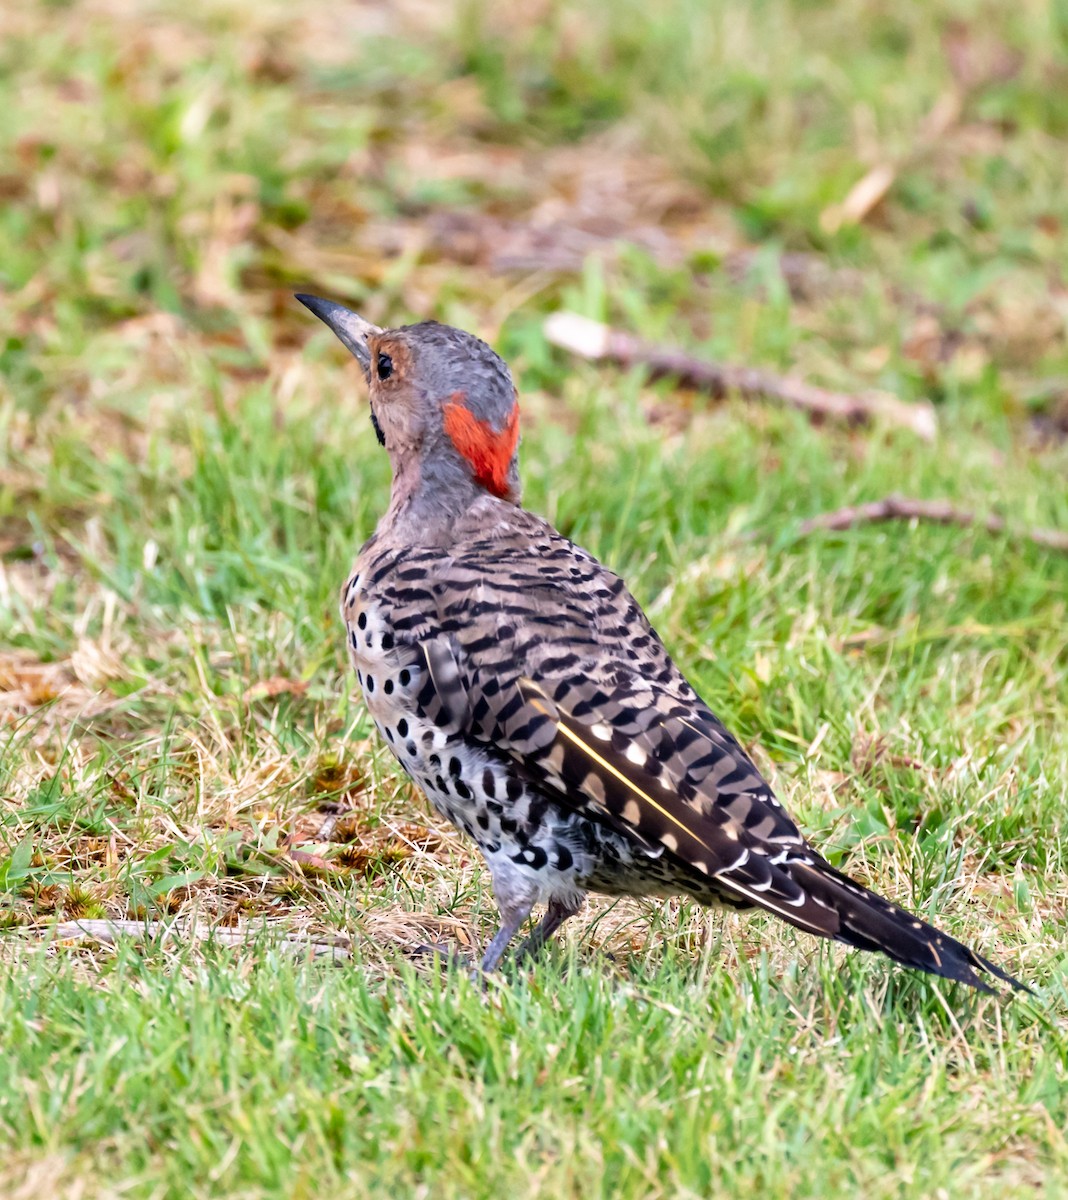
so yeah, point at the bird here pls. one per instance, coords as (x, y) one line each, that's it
(523, 689)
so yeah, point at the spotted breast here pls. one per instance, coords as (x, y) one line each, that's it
(537, 849)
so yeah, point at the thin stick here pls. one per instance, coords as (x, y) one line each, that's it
(599, 343)
(111, 931)
(901, 508)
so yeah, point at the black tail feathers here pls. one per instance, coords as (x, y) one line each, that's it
(869, 922)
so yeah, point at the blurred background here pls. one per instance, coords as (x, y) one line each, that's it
(874, 195)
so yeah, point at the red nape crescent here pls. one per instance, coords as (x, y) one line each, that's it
(489, 453)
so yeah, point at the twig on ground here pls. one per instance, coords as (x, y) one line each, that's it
(600, 343)
(901, 508)
(111, 931)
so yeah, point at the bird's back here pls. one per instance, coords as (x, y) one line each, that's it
(539, 674)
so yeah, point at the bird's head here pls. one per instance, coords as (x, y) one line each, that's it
(442, 402)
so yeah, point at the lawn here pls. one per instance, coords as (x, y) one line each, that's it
(862, 197)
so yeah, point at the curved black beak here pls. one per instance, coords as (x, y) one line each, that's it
(351, 330)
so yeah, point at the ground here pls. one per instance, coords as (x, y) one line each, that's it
(861, 197)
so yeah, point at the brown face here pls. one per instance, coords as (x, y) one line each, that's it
(395, 411)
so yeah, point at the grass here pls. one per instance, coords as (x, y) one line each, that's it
(186, 470)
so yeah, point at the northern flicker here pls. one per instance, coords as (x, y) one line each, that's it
(523, 689)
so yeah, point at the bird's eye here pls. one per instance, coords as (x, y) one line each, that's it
(385, 366)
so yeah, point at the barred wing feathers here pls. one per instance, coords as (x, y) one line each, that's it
(540, 653)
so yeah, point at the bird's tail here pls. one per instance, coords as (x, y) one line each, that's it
(869, 922)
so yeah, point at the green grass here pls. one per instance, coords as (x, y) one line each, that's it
(187, 468)
(250, 1074)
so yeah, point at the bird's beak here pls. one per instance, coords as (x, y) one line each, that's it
(351, 330)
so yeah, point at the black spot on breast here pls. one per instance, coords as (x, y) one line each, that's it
(387, 687)
(513, 789)
(509, 825)
(352, 636)
(532, 856)
(455, 767)
(370, 683)
(402, 727)
(435, 762)
(412, 749)
(361, 620)
(461, 789)
(405, 677)
(489, 783)
(387, 641)
(564, 858)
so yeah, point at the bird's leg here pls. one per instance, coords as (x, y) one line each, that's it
(512, 917)
(556, 914)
